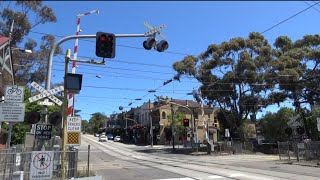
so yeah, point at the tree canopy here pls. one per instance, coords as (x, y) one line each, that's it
(243, 76)
(32, 67)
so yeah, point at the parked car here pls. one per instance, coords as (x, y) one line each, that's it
(110, 137)
(96, 135)
(117, 139)
(103, 138)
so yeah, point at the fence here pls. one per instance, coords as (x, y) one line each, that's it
(297, 151)
(16, 163)
(235, 147)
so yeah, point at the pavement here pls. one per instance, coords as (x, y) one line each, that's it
(117, 161)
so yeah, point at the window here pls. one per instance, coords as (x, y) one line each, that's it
(215, 121)
(163, 115)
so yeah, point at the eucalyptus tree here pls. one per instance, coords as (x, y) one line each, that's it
(235, 75)
(27, 15)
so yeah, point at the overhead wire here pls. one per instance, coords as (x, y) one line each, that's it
(296, 14)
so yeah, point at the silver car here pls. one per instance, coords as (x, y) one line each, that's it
(103, 138)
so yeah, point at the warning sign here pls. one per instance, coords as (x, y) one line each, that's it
(73, 138)
(73, 124)
(42, 165)
(43, 131)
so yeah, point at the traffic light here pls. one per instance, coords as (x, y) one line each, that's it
(149, 43)
(162, 45)
(186, 122)
(288, 131)
(105, 45)
(300, 130)
(152, 43)
(55, 118)
(32, 117)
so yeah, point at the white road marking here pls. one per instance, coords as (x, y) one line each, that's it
(215, 177)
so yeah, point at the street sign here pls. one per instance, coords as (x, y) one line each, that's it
(318, 124)
(12, 112)
(73, 138)
(293, 122)
(43, 131)
(41, 165)
(44, 93)
(73, 124)
(18, 159)
(46, 102)
(14, 94)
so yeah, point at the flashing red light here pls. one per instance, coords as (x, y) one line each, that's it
(102, 38)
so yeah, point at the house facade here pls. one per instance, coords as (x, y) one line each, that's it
(161, 115)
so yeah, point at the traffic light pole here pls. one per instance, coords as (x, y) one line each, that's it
(49, 67)
(67, 59)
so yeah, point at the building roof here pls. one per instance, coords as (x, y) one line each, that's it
(190, 103)
(3, 40)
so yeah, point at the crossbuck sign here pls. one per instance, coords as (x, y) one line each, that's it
(44, 93)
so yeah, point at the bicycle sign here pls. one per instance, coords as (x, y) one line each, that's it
(14, 94)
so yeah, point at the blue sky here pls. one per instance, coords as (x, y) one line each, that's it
(191, 27)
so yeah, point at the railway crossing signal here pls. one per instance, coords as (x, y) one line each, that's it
(186, 122)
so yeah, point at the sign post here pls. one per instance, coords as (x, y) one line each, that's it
(13, 108)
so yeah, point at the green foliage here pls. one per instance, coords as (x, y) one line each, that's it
(18, 133)
(177, 118)
(177, 121)
(97, 121)
(28, 15)
(229, 73)
(312, 123)
(273, 125)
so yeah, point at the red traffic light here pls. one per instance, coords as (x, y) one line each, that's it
(186, 122)
(103, 37)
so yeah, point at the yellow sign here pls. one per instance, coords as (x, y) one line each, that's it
(73, 138)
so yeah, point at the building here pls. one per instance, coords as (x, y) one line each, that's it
(6, 67)
(161, 113)
(6, 77)
(138, 122)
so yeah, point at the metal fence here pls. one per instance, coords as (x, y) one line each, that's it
(235, 147)
(16, 163)
(298, 151)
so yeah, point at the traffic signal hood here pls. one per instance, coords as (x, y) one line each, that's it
(105, 45)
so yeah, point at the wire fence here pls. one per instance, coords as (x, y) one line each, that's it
(235, 147)
(18, 163)
(299, 151)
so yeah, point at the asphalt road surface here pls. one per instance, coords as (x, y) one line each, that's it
(118, 161)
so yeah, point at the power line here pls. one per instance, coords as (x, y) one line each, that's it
(125, 46)
(312, 7)
(289, 18)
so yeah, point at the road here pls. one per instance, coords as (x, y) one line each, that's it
(118, 161)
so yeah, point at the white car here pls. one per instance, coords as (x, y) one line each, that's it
(117, 139)
(103, 138)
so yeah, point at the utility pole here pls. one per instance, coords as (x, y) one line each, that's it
(172, 126)
(65, 108)
(151, 126)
